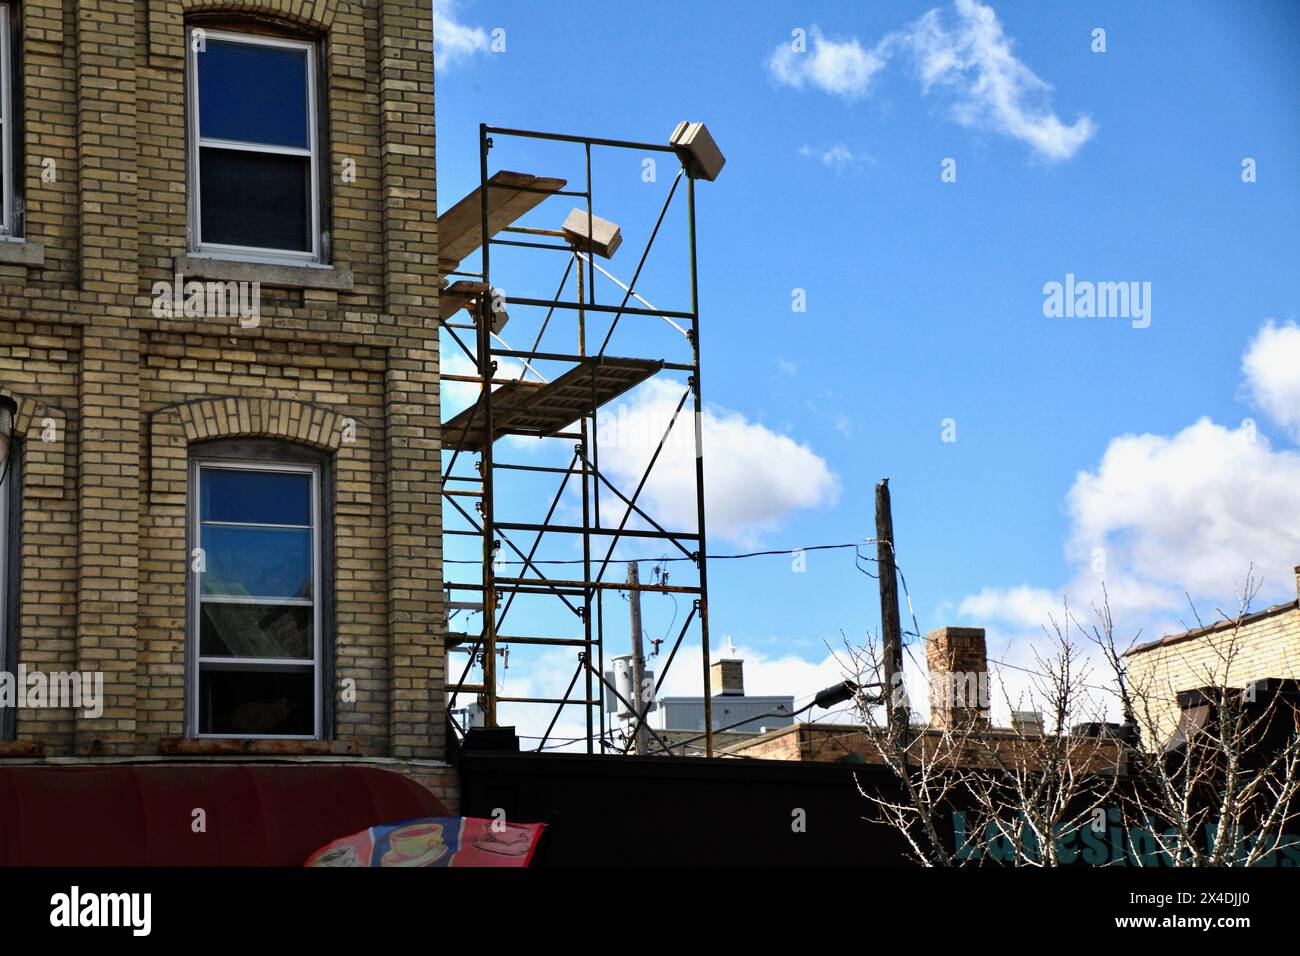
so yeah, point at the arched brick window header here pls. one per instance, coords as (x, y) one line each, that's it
(174, 428)
(44, 430)
(317, 15)
(302, 422)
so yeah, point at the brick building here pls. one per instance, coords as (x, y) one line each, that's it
(218, 275)
(1229, 653)
(958, 689)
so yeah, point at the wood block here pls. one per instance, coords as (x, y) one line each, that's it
(601, 237)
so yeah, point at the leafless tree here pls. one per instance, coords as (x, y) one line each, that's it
(1020, 793)
(1220, 787)
(1211, 783)
(929, 768)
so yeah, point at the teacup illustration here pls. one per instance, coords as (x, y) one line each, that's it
(417, 839)
(338, 856)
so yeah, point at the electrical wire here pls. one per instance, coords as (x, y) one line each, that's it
(711, 557)
(859, 557)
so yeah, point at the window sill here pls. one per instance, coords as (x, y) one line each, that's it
(22, 748)
(338, 279)
(216, 746)
(22, 252)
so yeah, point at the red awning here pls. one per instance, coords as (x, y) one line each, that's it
(130, 815)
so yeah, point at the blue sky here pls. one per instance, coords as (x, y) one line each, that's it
(925, 298)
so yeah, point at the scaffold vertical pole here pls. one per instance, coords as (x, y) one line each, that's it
(702, 555)
(486, 374)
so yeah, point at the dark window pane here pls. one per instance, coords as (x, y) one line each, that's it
(249, 561)
(256, 702)
(256, 497)
(262, 200)
(255, 630)
(253, 94)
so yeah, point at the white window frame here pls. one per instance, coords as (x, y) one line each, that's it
(317, 603)
(7, 229)
(197, 142)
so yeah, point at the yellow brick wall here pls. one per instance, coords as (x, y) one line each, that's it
(103, 512)
(1227, 657)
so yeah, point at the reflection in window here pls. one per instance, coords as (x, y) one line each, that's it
(257, 609)
(253, 145)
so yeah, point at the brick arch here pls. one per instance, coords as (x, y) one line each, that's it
(304, 422)
(174, 428)
(312, 13)
(45, 430)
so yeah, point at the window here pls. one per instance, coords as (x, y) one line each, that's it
(254, 158)
(256, 599)
(7, 225)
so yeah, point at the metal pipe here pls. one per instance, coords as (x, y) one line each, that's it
(586, 140)
(645, 254)
(699, 469)
(628, 289)
(551, 726)
(593, 307)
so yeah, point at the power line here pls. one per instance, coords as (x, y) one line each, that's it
(859, 557)
(711, 557)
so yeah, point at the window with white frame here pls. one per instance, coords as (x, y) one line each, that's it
(7, 219)
(256, 604)
(254, 154)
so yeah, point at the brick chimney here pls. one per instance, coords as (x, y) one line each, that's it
(1297, 580)
(959, 676)
(727, 674)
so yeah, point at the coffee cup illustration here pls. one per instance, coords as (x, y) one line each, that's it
(417, 844)
(338, 856)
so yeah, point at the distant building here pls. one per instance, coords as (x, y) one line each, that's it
(679, 720)
(1230, 653)
(958, 687)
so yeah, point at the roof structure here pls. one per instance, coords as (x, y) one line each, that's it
(1225, 625)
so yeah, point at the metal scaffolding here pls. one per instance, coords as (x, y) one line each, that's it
(556, 397)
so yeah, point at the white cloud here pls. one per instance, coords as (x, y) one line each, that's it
(968, 54)
(1272, 369)
(457, 396)
(837, 156)
(454, 40)
(1161, 517)
(841, 67)
(961, 50)
(754, 477)
(1021, 606)
(1190, 511)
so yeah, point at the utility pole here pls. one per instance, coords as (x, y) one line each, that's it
(891, 629)
(639, 691)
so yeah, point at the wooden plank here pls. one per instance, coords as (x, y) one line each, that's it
(465, 431)
(536, 409)
(464, 295)
(457, 296)
(460, 228)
